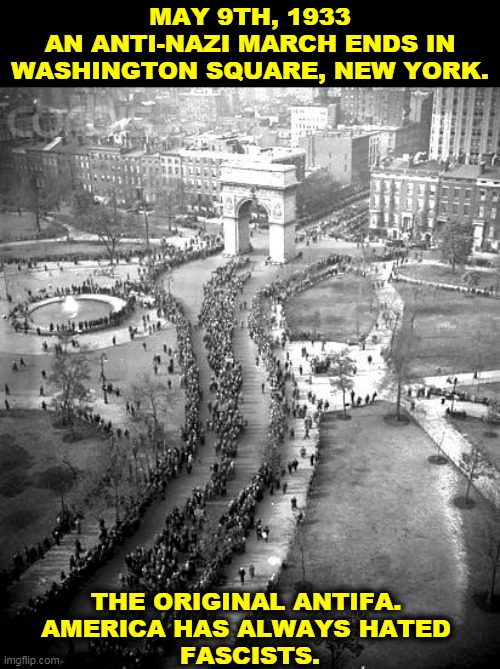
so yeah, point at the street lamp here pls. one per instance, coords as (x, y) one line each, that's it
(104, 359)
(455, 381)
(7, 294)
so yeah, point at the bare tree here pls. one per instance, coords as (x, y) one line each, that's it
(341, 371)
(400, 358)
(400, 351)
(491, 546)
(494, 412)
(169, 199)
(301, 547)
(39, 196)
(474, 465)
(69, 378)
(152, 399)
(115, 476)
(109, 224)
(342, 645)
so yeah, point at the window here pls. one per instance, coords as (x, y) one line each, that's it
(444, 191)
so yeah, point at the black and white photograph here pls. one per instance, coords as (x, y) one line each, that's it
(249, 355)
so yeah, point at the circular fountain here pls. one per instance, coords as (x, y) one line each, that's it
(79, 313)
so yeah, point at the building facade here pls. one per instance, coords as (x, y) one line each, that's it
(415, 201)
(465, 124)
(345, 154)
(377, 106)
(309, 119)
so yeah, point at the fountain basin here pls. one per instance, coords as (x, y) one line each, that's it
(74, 311)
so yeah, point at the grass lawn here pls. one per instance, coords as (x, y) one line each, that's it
(337, 309)
(443, 274)
(482, 389)
(380, 518)
(47, 250)
(481, 434)
(455, 332)
(15, 227)
(33, 457)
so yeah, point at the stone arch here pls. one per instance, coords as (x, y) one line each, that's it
(274, 187)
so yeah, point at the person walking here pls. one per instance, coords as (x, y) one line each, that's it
(242, 573)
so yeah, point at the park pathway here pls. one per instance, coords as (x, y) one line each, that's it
(275, 510)
(188, 280)
(187, 283)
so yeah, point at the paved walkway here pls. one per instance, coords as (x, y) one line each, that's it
(430, 414)
(275, 510)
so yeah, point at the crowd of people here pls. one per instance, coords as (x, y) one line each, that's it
(168, 464)
(490, 291)
(193, 548)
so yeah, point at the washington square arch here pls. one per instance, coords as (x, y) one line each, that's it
(273, 187)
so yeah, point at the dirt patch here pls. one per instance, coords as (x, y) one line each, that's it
(339, 309)
(55, 478)
(393, 527)
(12, 456)
(14, 485)
(18, 520)
(33, 475)
(461, 503)
(393, 420)
(437, 460)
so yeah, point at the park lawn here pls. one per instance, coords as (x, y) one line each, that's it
(482, 389)
(444, 274)
(33, 469)
(455, 332)
(68, 249)
(337, 310)
(481, 434)
(15, 227)
(381, 518)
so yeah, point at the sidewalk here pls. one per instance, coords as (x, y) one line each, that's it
(430, 414)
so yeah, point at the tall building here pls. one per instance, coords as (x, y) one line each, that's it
(345, 154)
(378, 106)
(310, 118)
(205, 106)
(466, 124)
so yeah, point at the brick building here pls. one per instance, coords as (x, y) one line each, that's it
(415, 201)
